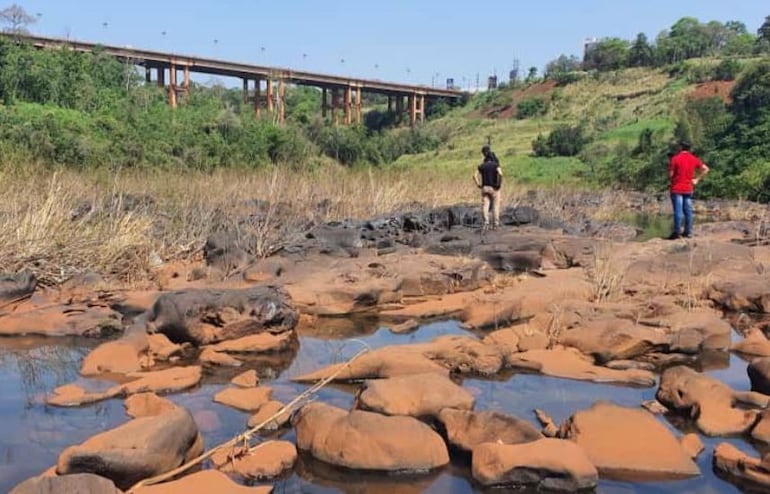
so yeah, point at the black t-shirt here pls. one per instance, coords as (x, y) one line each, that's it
(490, 176)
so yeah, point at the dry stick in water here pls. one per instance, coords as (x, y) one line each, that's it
(244, 437)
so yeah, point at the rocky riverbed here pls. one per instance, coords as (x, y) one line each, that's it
(540, 355)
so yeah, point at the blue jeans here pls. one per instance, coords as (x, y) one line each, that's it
(682, 205)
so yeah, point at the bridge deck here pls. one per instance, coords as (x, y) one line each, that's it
(150, 58)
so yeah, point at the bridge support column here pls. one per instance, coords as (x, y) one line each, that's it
(281, 114)
(161, 76)
(399, 108)
(422, 108)
(358, 105)
(348, 105)
(172, 86)
(324, 100)
(148, 74)
(186, 77)
(269, 95)
(390, 104)
(245, 90)
(335, 104)
(257, 97)
(412, 109)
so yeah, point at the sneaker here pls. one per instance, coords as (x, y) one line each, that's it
(687, 235)
(673, 236)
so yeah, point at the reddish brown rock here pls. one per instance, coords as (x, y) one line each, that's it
(549, 464)
(136, 450)
(368, 441)
(84, 483)
(692, 444)
(736, 464)
(210, 357)
(749, 293)
(203, 482)
(626, 442)
(571, 364)
(248, 379)
(268, 412)
(761, 431)
(161, 348)
(147, 405)
(265, 461)
(755, 343)
(709, 400)
(417, 395)
(121, 356)
(465, 429)
(759, 374)
(61, 320)
(257, 343)
(244, 399)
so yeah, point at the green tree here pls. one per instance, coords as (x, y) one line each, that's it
(561, 65)
(607, 54)
(763, 36)
(531, 75)
(641, 54)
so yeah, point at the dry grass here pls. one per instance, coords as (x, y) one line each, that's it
(606, 273)
(59, 224)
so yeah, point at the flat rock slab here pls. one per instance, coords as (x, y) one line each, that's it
(84, 483)
(628, 443)
(204, 317)
(269, 413)
(466, 429)
(417, 395)
(686, 391)
(549, 464)
(245, 399)
(203, 482)
(163, 381)
(368, 441)
(248, 379)
(747, 294)
(61, 320)
(122, 356)
(569, 363)
(257, 343)
(266, 461)
(136, 450)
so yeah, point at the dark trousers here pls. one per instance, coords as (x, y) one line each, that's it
(682, 206)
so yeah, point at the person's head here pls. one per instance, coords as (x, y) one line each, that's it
(684, 145)
(486, 151)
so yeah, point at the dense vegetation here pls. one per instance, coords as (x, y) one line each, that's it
(89, 110)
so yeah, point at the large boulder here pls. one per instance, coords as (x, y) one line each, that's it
(204, 317)
(88, 320)
(223, 252)
(245, 399)
(709, 401)
(266, 461)
(368, 441)
(626, 442)
(548, 464)
(136, 450)
(417, 395)
(465, 429)
(80, 483)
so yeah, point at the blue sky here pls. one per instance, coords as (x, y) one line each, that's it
(413, 41)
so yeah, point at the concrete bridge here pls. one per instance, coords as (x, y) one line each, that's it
(263, 87)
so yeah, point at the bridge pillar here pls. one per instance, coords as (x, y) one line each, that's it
(148, 74)
(245, 90)
(335, 104)
(281, 114)
(412, 109)
(324, 97)
(358, 105)
(257, 96)
(390, 104)
(161, 76)
(172, 86)
(422, 108)
(399, 108)
(269, 95)
(348, 105)
(186, 77)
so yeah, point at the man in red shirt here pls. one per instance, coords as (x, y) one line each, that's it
(682, 172)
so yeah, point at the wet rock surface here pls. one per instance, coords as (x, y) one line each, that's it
(466, 429)
(418, 395)
(75, 483)
(139, 449)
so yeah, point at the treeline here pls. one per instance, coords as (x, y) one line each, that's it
(88, 110)
(688, 38)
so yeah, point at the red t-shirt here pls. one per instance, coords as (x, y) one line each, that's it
(682, 168)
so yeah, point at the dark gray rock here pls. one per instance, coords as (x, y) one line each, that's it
(80, 483)
(17, 286)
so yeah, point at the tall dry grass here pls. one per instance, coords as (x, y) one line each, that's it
(63, 223)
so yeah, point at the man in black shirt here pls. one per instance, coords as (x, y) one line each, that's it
(489, 178)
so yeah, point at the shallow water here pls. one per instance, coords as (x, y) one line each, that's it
(32, 435)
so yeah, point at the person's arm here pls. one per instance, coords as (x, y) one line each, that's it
(671, 167)
(477, 178)
(702, 171)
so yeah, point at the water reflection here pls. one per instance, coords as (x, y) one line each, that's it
(33, 435)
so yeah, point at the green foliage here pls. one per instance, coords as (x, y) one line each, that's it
(641, 53)
(607, 54)
(564, 140)
(562, 65)
(531, 107)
